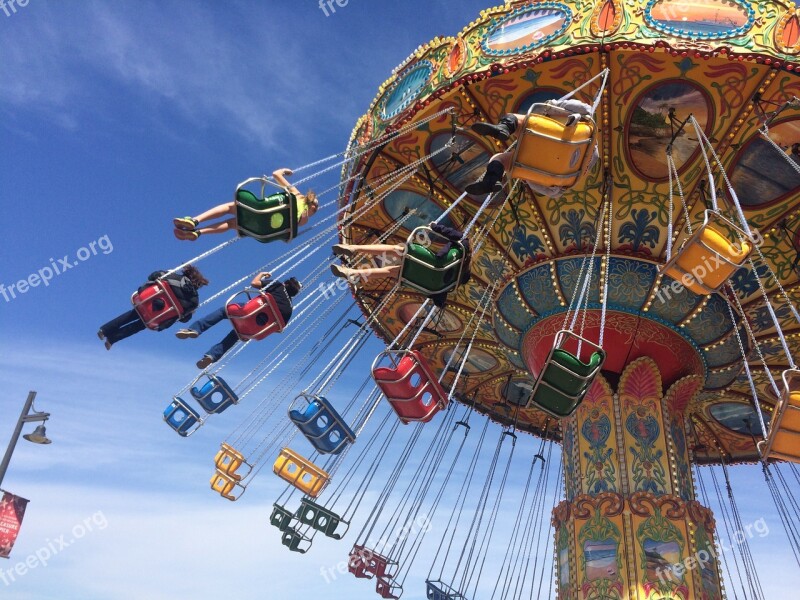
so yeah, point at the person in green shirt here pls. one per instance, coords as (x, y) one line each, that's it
(188, 228)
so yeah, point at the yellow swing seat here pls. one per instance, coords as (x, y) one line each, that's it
(226, 486)
(708, 258)
(228, 461)
(548, 151)
(300, 472)
(783, 440)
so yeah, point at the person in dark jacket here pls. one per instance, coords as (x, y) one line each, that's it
(282, 292)
(453, 236)
(183, 284)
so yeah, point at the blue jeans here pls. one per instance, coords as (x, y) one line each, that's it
(217, 350)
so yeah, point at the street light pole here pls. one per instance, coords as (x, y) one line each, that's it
(24, 417)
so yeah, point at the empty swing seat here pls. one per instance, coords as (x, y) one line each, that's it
(388, 588)
(438, 590)
(300, 472)
(783, 440)
(266, 218)
(426, 272)
(156, 304)
(296, 541)
(366, 564)
(548, 151)
(281, 517)
(256, 318)
(708, 258)
(565, 378)
(215, 396)
(226, 486)
(321, 424)
(409, 385)
(321, 519)
(229, 461)
(182, 417)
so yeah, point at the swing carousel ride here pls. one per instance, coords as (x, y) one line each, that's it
(643, 319)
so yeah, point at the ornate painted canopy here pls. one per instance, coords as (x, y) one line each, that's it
(709, 58)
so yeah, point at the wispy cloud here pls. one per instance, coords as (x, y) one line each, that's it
(173, 60)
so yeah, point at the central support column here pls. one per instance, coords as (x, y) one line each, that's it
(630, 527)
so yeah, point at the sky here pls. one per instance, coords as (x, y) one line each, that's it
(116, 117)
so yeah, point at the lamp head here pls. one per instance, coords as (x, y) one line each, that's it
(39, 436)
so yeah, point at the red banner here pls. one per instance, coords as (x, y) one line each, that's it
(12, 509)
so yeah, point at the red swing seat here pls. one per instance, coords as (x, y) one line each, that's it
(157, 304)
(366, 564)
(409, 384)
(245, 317)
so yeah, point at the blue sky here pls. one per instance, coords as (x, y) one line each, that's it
(116, 117)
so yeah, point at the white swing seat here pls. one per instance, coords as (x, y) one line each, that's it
(783, 440)
(708, 258)
(549, 152)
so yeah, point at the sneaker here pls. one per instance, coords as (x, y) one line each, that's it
(185, 223)
(204, 362)
(182, 234)
(101, 335)
(343, 250)
(485, 185)
(183, 334)
(338, 270)
(498, 132)
(108, 345)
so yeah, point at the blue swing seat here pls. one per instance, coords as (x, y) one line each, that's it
(321, 424)
(182, 418)
(205, 395)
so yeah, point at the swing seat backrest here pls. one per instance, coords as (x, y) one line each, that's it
(410, 385)
(281, 517)
(564, 381)
(182, 417)
(320, 518)
(708, 258)
(255, 319)
(550, 153)
(322, 425)
(387, 588)
(268, 218)
(300, 472)
(157, 304)
(229, 461)
(225, 486)
(783, 440)
(215, 396)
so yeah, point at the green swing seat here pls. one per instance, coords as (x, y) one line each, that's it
(269, 218)
(428, 273)
(565, 378)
